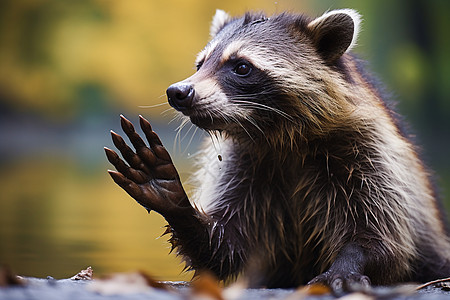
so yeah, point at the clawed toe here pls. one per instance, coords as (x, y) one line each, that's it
(343, 282)
(146, 172)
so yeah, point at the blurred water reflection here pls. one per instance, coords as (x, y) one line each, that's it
(60, 210)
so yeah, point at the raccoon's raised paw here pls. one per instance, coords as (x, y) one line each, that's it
(341, 282)
(147, 174)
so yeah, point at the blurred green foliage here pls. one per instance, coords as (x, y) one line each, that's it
(68, 68)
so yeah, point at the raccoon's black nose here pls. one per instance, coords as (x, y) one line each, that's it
(180, 95)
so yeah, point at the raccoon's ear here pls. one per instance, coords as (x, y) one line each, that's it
(220, 19)
(335, 32)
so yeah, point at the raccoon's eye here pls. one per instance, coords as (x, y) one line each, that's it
(242, 69)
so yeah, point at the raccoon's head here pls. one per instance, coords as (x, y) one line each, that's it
(262, 75)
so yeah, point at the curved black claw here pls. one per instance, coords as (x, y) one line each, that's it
(147, 173)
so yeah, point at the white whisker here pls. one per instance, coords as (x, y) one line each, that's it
(155, 105)
(178, 139)
(176, 117)
(187, 132)
(166, 111)
(192, 137)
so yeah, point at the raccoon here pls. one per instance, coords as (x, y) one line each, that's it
(310, 177)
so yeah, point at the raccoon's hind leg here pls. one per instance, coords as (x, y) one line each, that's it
(346, 273)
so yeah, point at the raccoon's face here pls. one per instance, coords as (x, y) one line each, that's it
(258, 72)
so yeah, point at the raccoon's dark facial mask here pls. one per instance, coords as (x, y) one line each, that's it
(223, 98)
(208, 101)
(242, 72)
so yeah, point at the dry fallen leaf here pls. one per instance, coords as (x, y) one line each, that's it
(154, 283)
(84, 274)
(310, 290)
(8, 278)
(125, 283)
(439, 281)
(316, 289)
(206, 286)
(235, 290)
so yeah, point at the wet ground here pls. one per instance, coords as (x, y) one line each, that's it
(85, 289)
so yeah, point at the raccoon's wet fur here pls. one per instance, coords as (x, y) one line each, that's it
(316, 180)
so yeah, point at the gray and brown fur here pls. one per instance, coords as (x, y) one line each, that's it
(316, 182)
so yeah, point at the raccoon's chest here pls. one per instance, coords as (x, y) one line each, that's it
(232, 178)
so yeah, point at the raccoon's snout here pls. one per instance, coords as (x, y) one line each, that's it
(180, 96)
